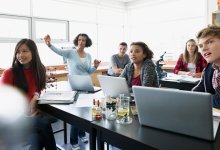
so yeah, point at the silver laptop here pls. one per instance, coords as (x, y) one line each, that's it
(82, 83)
(113, 86)
(185, 112)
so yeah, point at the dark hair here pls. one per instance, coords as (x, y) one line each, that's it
(211, 30)
(146, 49)
(123, 44)
(88, 40)
(36, 65)
(185, 54)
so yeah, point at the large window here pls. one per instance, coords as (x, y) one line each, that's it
(14, 28)
(58, 30)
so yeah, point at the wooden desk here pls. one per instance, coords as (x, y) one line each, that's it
(60, 73)
(169, 65)
(100, 71)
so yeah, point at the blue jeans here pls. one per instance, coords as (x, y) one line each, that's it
(41, 135)
(75, 133)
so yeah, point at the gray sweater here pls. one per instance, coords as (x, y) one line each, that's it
(148, 74)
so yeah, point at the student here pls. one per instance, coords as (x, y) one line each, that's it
(79, 63)
(209, 43)
(119, 60)
(190, 61)
(141, 71)
(29, 75)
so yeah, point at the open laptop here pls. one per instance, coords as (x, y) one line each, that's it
(113, 86)
(82, 83)
(184, 112)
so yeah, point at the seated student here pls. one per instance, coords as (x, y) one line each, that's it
(142, 70)
(209, 43)
(118, 61)
(29, 75)
(190, 61)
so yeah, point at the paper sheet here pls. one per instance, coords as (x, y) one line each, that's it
(85, 100)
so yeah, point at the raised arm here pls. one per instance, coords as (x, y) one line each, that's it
(47, 40)
(60, 52)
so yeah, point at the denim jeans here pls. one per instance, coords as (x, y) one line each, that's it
(42, 134)
(75, 133)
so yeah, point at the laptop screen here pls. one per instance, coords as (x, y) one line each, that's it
(185, 112)
(113, 86)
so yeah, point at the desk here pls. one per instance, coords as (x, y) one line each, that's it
(135, 136)
(80, 117)
(177, 84)
(77, 116)
(132, 136)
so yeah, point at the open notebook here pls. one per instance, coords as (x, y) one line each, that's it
(57, 97)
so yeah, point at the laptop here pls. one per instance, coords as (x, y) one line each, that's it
(179, 111)
(113, 86)
(82, 83)
(57, 97)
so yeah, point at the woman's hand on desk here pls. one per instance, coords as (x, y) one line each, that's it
(195, 75)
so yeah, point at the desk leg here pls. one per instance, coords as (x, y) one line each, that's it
(65, 132)
(101, 145)
(92, 139)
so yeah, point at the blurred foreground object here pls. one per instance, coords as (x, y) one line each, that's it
(13, 120)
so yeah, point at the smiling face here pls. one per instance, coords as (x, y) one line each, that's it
(210, 49)
(122, 50)
(24, 55)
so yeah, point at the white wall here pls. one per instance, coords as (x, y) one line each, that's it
(165, 25)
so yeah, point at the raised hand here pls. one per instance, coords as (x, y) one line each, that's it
(47, 40)
(96, 63)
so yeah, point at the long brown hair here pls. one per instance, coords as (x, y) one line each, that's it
(185, 54)
(36, 65)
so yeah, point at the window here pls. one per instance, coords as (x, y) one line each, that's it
(14, 28)
(58, 30)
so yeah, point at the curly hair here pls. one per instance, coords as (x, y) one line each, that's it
(146, 49)
(88, 40)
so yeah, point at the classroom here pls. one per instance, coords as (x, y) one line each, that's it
(118, 50)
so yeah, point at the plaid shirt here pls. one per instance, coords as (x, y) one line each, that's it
(181, 66)
(216, 78)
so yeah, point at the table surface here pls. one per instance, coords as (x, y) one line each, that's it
(132, 136)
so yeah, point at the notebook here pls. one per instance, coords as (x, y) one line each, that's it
(57, 97)
(179, 111)
(82, 83)
(113, 86)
